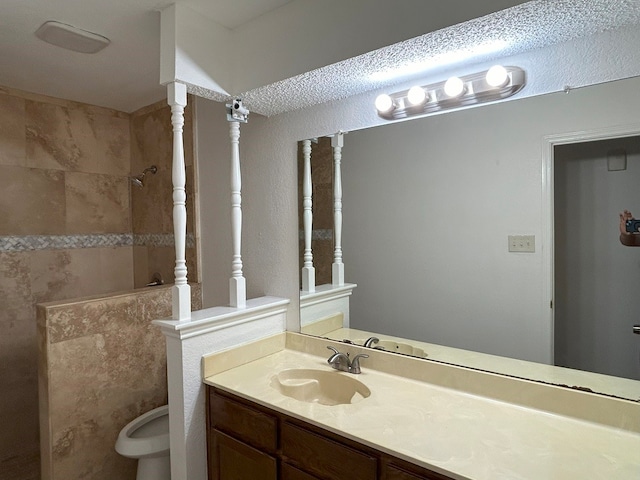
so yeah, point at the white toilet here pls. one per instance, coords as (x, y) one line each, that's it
(147, 439)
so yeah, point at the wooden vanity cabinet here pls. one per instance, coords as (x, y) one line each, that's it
(249, 442)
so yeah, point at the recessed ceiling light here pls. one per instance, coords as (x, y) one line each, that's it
(71, 38)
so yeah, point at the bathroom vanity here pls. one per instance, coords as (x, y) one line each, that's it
(273, 413)
(249, 441)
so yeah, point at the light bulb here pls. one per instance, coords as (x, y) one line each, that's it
(454, 87)
(416, 96)
(384, 103)
(497, 76)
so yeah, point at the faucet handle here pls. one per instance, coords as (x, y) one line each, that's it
(333, 349)
(355, 363)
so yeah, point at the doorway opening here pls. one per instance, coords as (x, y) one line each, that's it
(595, 279)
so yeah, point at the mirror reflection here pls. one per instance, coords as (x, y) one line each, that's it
(449, 234)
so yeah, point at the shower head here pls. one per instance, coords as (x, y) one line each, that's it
(138, 180)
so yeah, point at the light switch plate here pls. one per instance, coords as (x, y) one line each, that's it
(522, 243)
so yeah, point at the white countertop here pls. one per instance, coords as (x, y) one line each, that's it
(459, 434)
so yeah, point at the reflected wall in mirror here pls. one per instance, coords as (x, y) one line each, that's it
(429, 206)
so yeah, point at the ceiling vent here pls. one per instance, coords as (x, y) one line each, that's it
(71, 38)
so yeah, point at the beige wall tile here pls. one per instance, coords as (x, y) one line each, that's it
(322, 161)
(67, 164)
(12, 131)
(86, 406)
(188, 133)
(196, 296)
(15, 288)
(76, 139)
(106, 367)
(191, 189)
(192, 265)
(163, 261)
(151, 139)
(140, 267)
(152, 205)
(323, 207)
(109, 370)
(97, 203)
(64, 274)
(152, 143)
(18, 357)
(32, 201)
(88, 318)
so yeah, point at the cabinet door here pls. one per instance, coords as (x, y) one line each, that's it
(292, 473)
(234, 460)
(325, 458)
(243, 422)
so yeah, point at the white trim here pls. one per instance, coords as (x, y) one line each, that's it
(218, 318)
(324, 293)
(548, 144)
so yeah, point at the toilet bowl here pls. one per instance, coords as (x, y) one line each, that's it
(147, 439)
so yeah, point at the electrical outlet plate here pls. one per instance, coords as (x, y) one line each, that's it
(522, 243)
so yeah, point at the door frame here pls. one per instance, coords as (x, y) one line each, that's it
(548, 190)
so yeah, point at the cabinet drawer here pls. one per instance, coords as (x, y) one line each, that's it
(254, 427)
(324, 458)
(234, 460)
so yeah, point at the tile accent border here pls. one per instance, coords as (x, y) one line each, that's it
(64, 242)
(159, 240)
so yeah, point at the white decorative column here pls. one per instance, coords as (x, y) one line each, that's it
(237, 283)
(181, 292)
(337, 268)
(308, 270)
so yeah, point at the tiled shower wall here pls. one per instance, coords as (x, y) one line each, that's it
(102, 364)
(67, 231)
(322, 197)
(152, 205)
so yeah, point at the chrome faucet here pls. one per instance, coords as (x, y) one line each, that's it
(371, 341)
(341, 361)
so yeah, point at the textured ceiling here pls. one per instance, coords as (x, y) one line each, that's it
(516, 30)
(125, 75)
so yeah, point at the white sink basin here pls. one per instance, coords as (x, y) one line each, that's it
(326, 387)
(398, 347)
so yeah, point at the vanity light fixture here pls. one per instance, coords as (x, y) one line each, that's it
(417, 96)
(384, 103)
(497, 76)
(494, 84)
(454, 87)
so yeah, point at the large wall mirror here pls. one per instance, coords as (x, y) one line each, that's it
(429, 206)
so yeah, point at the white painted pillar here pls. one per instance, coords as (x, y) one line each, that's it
(308, 270)
(210, 330)
(181, 292)
(337, 268)
(237, 282)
